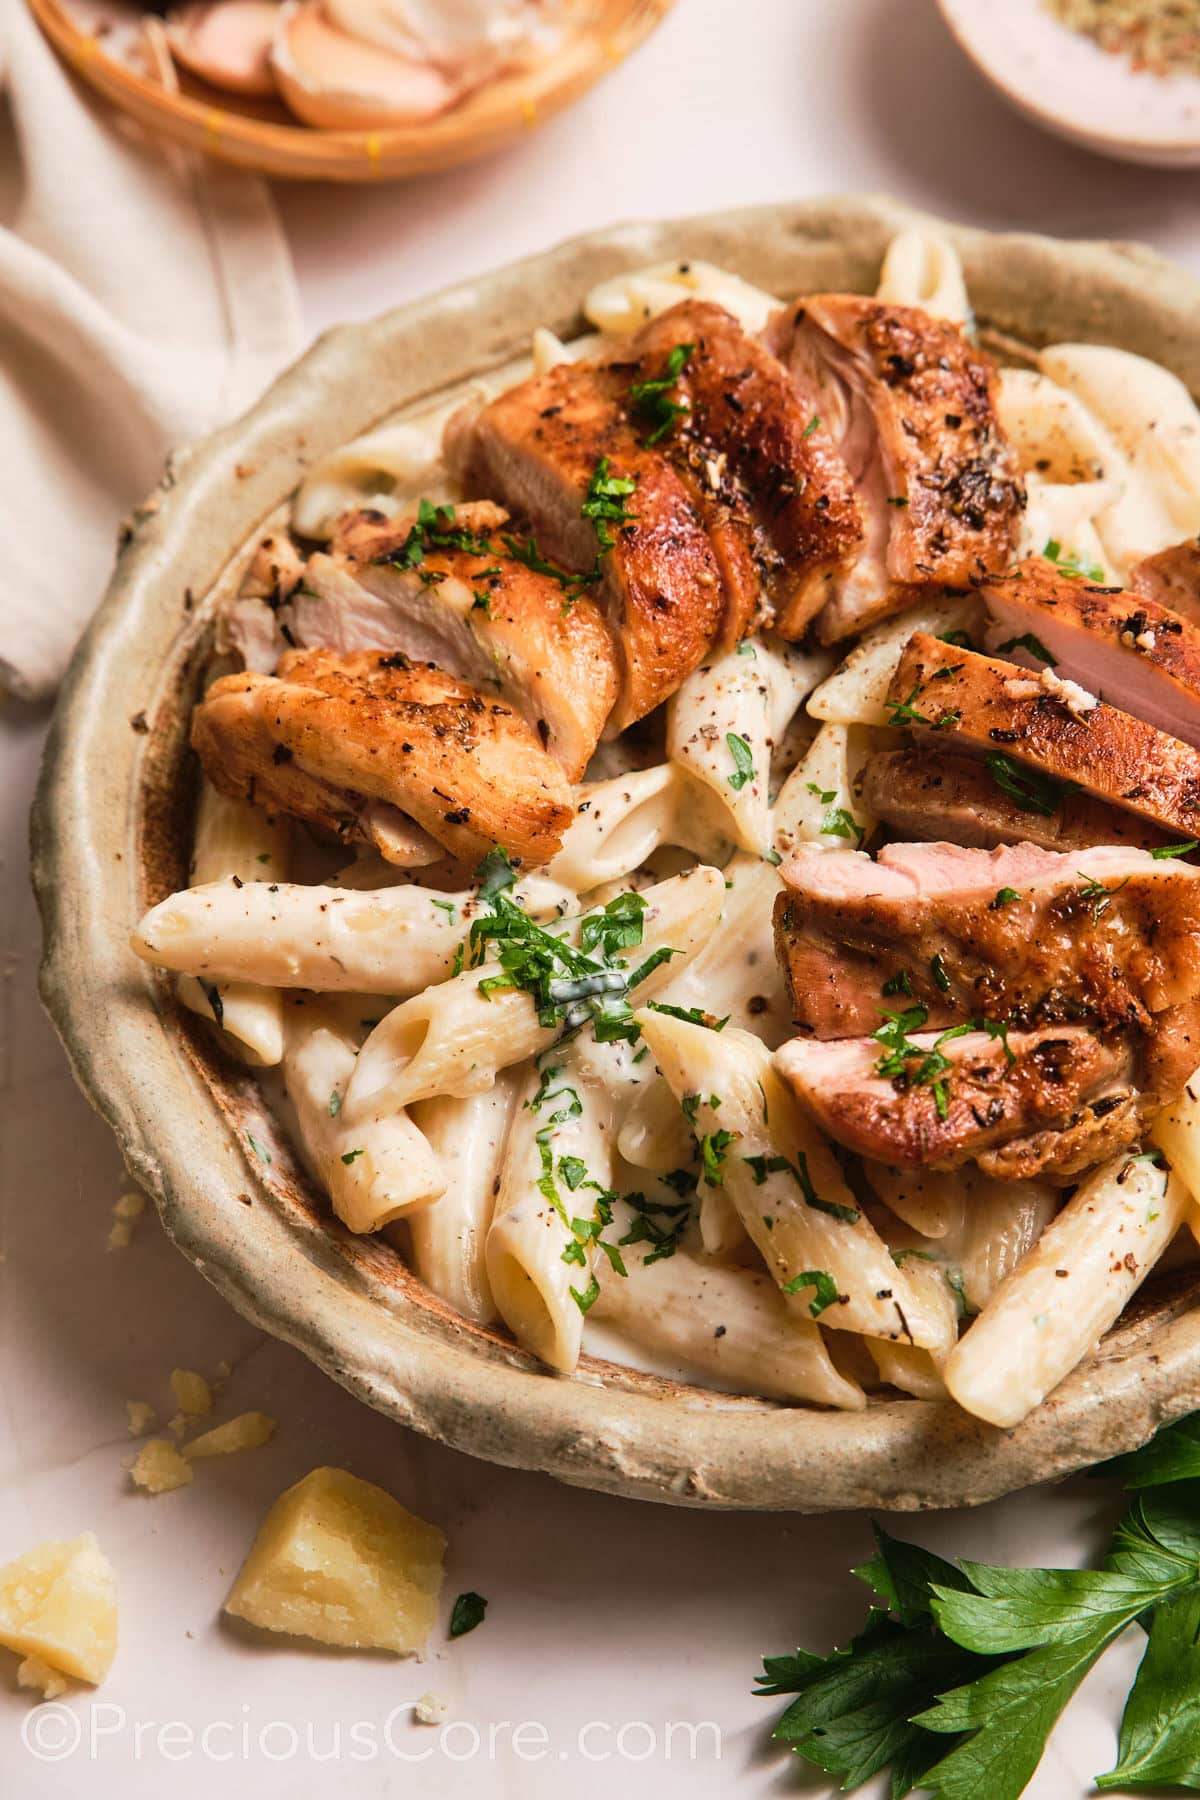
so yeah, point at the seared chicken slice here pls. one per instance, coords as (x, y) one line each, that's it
(1050, 725)
(1108, 936)
(1139, 655)
(539, 446)
(478, 613)
(368, 727)
(926, 794)
(1050, 1102)
(760, 459)
(911, 406)
(1171, 578)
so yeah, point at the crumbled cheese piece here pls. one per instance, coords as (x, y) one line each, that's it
(248, 1431)
(130, 1206)
(1076, 699)
(177, 1425)
(339, 1560)
(120, 1235)
(1022, 687)
(141, 1416)
(431, 1709)
(158, 1468)
(34, 1673)
(58, 1609)
(192, 1392)
(1145, 640)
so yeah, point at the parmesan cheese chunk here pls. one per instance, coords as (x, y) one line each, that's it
(248, 1431)
(339, 1560)
(58, 1609)
(158, 1468)
(34, 1673)
(141, 1416)
(192, 1392)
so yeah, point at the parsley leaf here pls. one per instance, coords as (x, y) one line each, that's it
(837, 822)
(1004, 897)
(743, 761)
(825, 1289)
(651, 399)
(466, 1614)
(1034, 645)
(905, 713)
(691, 1015)
(1068, 562)
(1160, 1729)
(1165, 851)
(1032, 791)
(604, 503)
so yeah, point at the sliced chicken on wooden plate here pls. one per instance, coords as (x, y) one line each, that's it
(447, 591)
(1140, 656)
(911, 406)
(1049, 1102)
(332, 737)
(926, 794)
(1108, 937)
(1048, 725)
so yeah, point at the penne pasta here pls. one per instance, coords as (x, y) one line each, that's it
(1065, 1293)
(621, 822)
(922, 268)
(448, 1239)
(380, 1169)
(390, 466)
(622, 304)
(653, 1133)
(820, 801)
(856, 692)
(785, 1183)
(236, 842)
(393, 940)
(455, 1037)
(1176, 1131)
(912, 1371)
(727, 1324)
(719, 731)
(737, 974)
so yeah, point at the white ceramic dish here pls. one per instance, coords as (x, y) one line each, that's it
(1068, 85)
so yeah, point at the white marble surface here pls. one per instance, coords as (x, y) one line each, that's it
(628, 1618)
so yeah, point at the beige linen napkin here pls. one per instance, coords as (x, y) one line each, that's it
(146, 295)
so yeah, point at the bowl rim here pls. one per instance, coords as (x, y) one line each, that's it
(687, 1447)
(1060, 122)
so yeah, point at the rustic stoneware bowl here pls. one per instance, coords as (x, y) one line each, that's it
(111, 827)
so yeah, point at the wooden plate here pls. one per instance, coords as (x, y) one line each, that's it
(485, 121)
(112, 828)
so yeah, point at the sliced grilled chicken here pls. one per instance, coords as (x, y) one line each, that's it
(538, 447)
(926, 794)
(478, 613)
(1051, 1102)
(759, 456)
(1172, 579)
(331, 736)
(1050, 725)
(911, 406)
(1108, 937)
(1141, 656)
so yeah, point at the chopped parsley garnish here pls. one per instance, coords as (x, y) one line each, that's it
(743, 761)
(588, 1298)
(652, 401)
(260, 1150)
(605, 503)
(746, 648)
(958, 640)
(434, 529)
(1004, 897)
(905, 713)
(446, 906)
(814, 424)
(335, 1103)
(1034, 645)
(1032, 791)
(528, 553)
(1099, 897)
(212, 994)
(466, 1614)
(714, 1147)
(899, 983)
(937, 969)
(762, 1166)
(481, 601)
(825, 1289)
(691, 1015)
(1166, 851)
(645, 1228)
(837, 822)
(1068, 562)
(350, 1156)
(897, 500)
(495, 873)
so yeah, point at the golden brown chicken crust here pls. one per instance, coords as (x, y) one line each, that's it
(1172, 578)
(1056, 1100)
(934, 797)
(483, 615)
(373, 728)
(539, 446)
(763, 456)
(977, 700)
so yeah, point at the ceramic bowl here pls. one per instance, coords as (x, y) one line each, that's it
(1070, 86)
(111, 832)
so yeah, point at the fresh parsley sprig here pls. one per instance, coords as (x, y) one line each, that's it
(963, 1670)
(652, 400)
